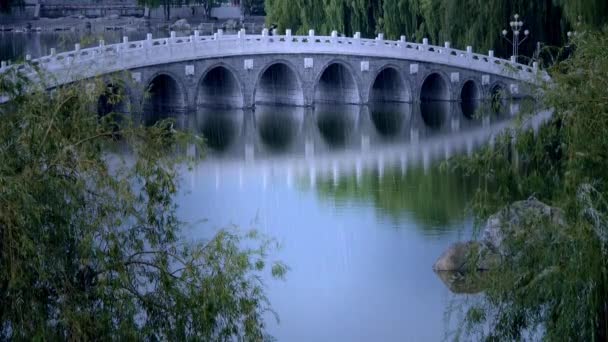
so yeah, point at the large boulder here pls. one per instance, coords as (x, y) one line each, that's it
(512, 219)
(455, 258)
(510, 222)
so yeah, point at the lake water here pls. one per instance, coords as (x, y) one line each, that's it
(356, 199)
(354, 195)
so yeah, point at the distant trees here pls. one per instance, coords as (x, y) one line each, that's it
(463, 22)
(167, 4)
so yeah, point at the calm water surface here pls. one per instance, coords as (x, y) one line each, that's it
(355, 198)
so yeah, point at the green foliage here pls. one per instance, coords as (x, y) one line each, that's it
(90, 244)
(554, 281)
(463, 22)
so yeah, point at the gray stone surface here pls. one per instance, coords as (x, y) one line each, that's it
(284, 79)
(505, 224)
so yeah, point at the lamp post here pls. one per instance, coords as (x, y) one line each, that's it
(516, 26)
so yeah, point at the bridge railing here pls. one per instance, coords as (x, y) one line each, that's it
(84, 63)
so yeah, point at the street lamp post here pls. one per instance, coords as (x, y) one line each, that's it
(516, 26)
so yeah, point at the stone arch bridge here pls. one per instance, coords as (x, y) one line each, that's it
(244, 70)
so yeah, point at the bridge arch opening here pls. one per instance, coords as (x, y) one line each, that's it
(434, 88)
(337, 85)
(219, 88)
(470, 95)
(279, 84)
(165, 98)
(389, 86)
(470, 92)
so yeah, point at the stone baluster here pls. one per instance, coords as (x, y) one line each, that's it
(2, 64)
(357, 35)
(334, 37)
(28, 58)
(125, 44)
(148, 44)
(172, 37)
(311, 34)
(53, 52)
(403, 39)
(380, 36)
(194, 39)
(446, 48)
(535, 66)
(425, 43)
(288, 38)
(275, 32)
(513, 60)
(491, 54)
(77, 47)
(469, 51)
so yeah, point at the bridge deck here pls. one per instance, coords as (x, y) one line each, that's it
(79, 64)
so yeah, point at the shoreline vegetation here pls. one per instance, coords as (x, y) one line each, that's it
(549, 271)
(90, 243)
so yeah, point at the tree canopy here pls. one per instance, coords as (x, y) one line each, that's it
(463, 22)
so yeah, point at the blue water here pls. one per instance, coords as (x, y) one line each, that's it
(360, 224)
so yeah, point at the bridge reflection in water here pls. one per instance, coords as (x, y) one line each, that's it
(287, 142)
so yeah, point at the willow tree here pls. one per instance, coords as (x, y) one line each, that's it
(90, 241)
(553, 281)
(463, 22)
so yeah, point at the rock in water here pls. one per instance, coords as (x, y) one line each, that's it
(456, 256)
(510, 221)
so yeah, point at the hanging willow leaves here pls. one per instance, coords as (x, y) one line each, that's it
(90, 241)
